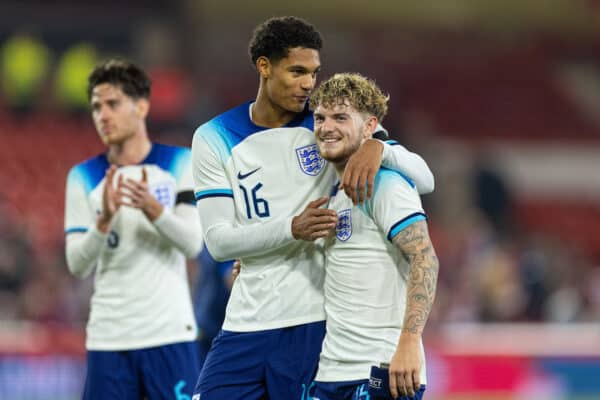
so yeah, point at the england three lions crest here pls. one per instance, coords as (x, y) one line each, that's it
(309, 159)
(343, 230)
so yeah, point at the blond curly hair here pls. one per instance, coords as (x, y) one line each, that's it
(361, 92)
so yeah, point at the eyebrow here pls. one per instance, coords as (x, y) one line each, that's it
(338, 114)
(303, 68)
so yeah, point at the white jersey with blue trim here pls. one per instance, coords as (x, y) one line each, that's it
(269, 174)
(141, 295)
(365, 279)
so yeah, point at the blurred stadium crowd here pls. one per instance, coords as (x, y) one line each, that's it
(517, 241)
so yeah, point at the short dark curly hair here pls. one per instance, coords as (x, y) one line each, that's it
(274, 37)
(132, 79)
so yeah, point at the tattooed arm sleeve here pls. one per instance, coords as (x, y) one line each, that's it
(416, 247)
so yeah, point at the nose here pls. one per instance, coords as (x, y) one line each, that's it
(308, 82)
(102, 113)
(327, 125)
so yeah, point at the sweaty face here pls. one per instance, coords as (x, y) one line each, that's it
(116, 116)
(292, 79)
(340, 130)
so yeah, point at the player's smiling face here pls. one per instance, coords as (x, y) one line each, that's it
(117, 117)
(340, 130)
(292, 79)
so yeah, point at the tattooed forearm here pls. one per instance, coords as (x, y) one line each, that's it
(415, 245)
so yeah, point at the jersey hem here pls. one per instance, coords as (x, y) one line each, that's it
(233, 327)
(136, 345)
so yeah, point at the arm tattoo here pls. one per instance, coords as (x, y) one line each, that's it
(416, 247)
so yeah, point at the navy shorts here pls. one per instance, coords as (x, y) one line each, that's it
(162, 372)
(276, 364)
(351, 390)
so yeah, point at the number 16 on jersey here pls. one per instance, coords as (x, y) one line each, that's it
(254, 204)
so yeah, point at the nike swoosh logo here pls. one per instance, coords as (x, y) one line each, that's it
(244, 176)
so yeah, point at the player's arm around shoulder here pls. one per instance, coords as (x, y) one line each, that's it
(399, 158)
(364, 164)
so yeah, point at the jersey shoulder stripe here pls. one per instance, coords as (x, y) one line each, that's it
(227, 130)
(170, 158)
(173, 159)
(90, 172)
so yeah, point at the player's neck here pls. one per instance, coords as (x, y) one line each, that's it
(132, 151)
(266, 113)
(339, 168)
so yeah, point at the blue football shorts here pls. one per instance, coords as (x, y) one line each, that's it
(274, 364)
(162, 372)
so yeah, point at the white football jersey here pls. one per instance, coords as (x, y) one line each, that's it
(269, 174)
(141, 295)
(365, 279)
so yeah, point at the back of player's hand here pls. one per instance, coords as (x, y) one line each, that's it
(314, 222)
(405, 367)
(360, 171)
(137, 194)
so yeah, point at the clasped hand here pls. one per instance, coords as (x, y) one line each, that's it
(128, 192)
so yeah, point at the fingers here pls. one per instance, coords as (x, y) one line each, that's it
(400, 384)
(133, 185)
(318, 202)
(314, 223)
(311, 231)
(144, 175)
(324, 226)
(110, 203)
(409, 388)
(133, 192)
(360, 171)
(397, 384)
(235, 270)
(322, 233)
(115, 195)
(358, 183)
(360, 187)
(404, 383)
(119, 181)
(416, 381)
(349, 182)
(393, 385)
(110, 172)
(315, 215)
(321, 215)
(370, 183)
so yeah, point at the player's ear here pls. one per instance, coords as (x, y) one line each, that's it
(263, 66)
(370, 126)
(143, 107)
